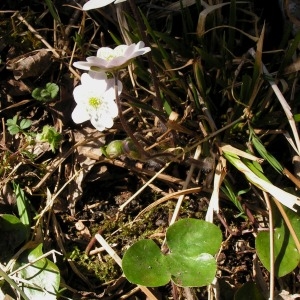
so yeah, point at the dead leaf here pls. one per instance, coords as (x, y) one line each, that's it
(30, 64)
(84, 162)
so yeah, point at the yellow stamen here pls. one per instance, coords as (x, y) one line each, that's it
(95, 102)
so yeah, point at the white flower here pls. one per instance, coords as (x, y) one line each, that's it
(92, 4)
(95, 100)
(108, 59)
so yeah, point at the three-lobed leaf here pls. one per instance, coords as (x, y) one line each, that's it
(46, 94)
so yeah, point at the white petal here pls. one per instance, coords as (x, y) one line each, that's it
(113, 109)
(118, 61)
(92, 4)
(80, 94)
(120, 50)
(140, 45)
(97, 75)
(102, 121)
(80, 115)
(129, 50)
(119, 1)
(110, 93)
(83, 65)
(105, 52)
(97, 62)
(97, 124)
(97, 86)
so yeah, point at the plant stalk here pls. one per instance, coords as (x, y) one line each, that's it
(125, 126)
(158, 101)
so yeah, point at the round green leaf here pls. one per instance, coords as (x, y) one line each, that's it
(144, 264)
(192, 237)
(13, 233)
(52, 89)
(286, 254)
(190, 271)
(248, 291)
(43, 275)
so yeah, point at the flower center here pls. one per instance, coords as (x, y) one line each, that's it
(95, 102)
(110, 57)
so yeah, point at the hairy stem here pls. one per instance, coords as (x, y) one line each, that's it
(125, 126)
(158, 101)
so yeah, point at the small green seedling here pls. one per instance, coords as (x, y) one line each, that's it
(48, 93)
(51, 136)
(189, 262)
(13, 127)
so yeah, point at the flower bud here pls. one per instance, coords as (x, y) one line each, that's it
(114, 149)
(130, 150)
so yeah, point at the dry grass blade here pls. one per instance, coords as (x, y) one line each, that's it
(166, 198)
(283, 102)
(186, 184)
(282, 196)
(219, 176)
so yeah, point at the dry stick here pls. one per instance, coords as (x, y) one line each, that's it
(37, 35)
(60, 243)
(176, 157)
(186, 183)
(118, 260)
(59, 161)
(272, 259)
(166, 198)
(143, 187)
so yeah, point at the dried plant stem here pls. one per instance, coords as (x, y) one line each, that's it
(36, 34)
(157, 174)
(283, 102)
(186, 183)
(272, 258)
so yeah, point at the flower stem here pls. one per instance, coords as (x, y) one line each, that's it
(158, 101)
(125, 126)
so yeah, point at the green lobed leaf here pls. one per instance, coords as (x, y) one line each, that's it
(248, 291)
(144, 264)
(25, 123)
(192, 237)
(13, 234)
(43, 275)
(192, 244)
(52, 89)
(286, 254)
(192, 271)
(13, 129)
(51, 136)
(36, 94)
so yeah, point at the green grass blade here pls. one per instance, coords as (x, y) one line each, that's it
(264, 153)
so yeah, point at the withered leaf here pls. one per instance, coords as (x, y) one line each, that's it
(30, 64)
